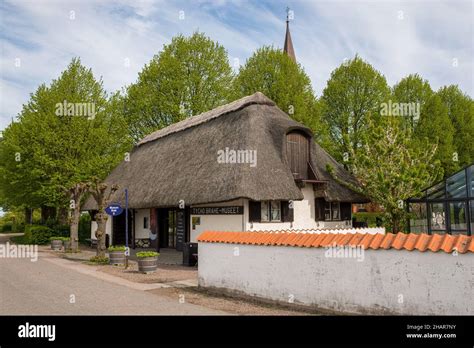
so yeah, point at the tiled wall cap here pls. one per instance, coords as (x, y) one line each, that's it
(421, 242)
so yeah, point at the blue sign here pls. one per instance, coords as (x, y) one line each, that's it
(114, 209)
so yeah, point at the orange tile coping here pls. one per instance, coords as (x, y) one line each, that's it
(421, 242)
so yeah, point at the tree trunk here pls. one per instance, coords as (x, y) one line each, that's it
(76, 215)
(62, 216)
(28, 216)
(100, 233)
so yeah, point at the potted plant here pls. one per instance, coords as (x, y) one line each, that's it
(56, 243)
(147, 261)
(117, 254)
(66, 243)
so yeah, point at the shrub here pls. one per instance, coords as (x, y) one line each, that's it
(143, 254)
(7, 226)
(372, 219)
(117, 248)
(64, 239)
(40, 235)
(99, 260)
(61, 230)
(84, 227)
(19, 240)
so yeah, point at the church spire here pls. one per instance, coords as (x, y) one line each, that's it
(288, 47)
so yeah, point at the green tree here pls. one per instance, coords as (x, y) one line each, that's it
(272, 72)
(412, 89)
(436, 127)
(391, 168)
(66, 134)
(354, 94)
(190, 76)
(460, 108)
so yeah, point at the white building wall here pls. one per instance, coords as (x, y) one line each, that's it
(303, 217)
(218, 222)
(140, 231)
(385, 281)
(108, 228)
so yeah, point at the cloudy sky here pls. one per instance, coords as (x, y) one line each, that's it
(116, 39)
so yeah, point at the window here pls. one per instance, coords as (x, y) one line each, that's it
(418, 218)
(145, 222)
(457, 216)
(270, 211)
(438, 217)
(332, 211)
(456, 185)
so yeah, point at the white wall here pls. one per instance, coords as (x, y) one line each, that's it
(108, 228)
(386, 281)
(218, 222)
(303, 217)
(140, 232)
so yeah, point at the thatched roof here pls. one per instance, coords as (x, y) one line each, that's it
(179, 162)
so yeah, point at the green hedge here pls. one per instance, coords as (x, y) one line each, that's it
(84, 227)
(7, 226)
(36, 234)
(369, 218)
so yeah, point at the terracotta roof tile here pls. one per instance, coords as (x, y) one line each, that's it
(387, 241)
(421, 242)
(448, 243)
(355, 240)
(462, 244)
(435, 242)
(399, 241)
(365, 242)
(411, 241)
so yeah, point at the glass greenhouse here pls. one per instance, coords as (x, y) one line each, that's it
(446, 207)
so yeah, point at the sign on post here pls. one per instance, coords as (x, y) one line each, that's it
(114, 209)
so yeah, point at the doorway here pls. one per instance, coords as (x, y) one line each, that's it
(173, 228)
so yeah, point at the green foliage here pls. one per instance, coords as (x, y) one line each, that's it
(84, 227)
(99, 260)
(460, 109)
(368, 217)
(391, 168)
(412, 89)
(51, 148)
(354, 94)
(20, 240)
(435, 127)
(64, 239)
(40, 235)
(7, 226)
(116, 248)
(272, 72)
(143, 254)
(189, 76)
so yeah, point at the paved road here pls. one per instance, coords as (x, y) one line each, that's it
(45, 287)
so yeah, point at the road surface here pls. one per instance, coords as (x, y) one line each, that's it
(46, 287)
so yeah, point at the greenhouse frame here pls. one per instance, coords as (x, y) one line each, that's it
(455, 195)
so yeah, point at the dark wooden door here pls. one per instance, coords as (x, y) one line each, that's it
(297, 152)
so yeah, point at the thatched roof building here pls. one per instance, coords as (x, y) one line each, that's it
(179, 162)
